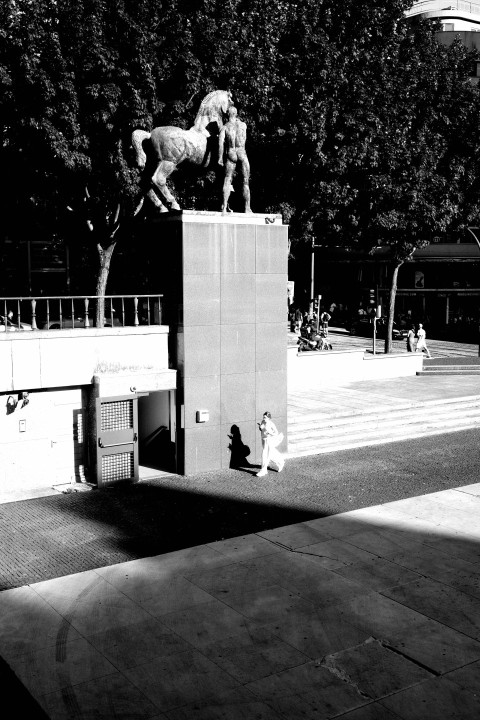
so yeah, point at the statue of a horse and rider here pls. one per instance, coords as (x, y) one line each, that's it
(164, 148)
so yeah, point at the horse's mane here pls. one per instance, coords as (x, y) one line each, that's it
(210, 107)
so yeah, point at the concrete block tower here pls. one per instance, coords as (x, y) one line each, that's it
(225, 287)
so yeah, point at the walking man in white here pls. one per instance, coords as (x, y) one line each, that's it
(271, 439)
(421, 343)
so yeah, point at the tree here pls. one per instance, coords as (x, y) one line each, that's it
(388, 171)
(419, 192)
(76, 78)
(79, 77)
(351, 113)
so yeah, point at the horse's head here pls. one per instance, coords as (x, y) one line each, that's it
(226, 101)
(212, 109)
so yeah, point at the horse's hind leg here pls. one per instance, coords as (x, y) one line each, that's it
(159, 179)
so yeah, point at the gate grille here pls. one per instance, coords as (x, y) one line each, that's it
(117, 415)
(117, 466)
(117, 439)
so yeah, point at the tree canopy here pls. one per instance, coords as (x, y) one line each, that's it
(362, 127)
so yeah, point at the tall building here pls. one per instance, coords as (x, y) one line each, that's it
(455, 17)
(458, 19)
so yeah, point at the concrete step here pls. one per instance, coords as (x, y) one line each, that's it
(403, 410)
(451, 366)
(454, 360)
(383, 428)
(464, 370)
(408, 433)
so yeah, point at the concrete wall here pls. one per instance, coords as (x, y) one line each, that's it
(231, 278)
(42, 443)
(58, 358)
(313, 370)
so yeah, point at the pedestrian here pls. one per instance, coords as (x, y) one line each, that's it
(271, 439)
(421, 342)
(411, 339)
(298, 320)
(323, 341)
(325, 317)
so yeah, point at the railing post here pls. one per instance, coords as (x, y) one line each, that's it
(87, 321)
(135, 306)
(5, 315)
(34, 319)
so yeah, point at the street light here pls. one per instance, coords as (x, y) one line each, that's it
(470, 230)
(312, 280)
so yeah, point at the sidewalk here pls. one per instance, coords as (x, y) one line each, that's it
(372, 614)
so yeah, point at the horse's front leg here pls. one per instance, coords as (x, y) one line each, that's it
(153, 196)
(159, 180)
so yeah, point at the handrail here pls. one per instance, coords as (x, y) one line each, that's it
(54, 312)
(437, 5)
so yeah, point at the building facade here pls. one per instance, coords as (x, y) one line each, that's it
(454, 16)
(439, 286)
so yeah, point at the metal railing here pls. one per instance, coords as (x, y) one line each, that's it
(78, 311)
(436, 6)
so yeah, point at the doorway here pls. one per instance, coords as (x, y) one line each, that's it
(156, 434)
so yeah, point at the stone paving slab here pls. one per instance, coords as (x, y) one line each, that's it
(349, 615)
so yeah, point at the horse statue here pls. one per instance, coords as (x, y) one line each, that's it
(166, 147)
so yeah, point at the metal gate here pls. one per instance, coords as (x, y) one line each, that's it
(117, 439)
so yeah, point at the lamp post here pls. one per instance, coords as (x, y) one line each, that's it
(312, 281)
(470, 230)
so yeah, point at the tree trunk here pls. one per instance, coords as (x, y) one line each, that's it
(391, 308)
(105, 257)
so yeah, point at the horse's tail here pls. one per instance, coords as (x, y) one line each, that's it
(138, 137)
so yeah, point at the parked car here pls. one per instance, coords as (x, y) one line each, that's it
(78, 322)
(364, 327)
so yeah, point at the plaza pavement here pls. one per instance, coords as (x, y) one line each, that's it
(372, 614)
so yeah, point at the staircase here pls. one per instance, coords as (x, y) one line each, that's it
(316, 434)
(451, 366)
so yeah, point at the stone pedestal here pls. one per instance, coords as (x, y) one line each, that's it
(225, 291)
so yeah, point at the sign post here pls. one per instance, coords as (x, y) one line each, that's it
(319, 297)
(378, 314)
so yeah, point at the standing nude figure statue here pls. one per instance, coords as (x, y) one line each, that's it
(232, 139)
